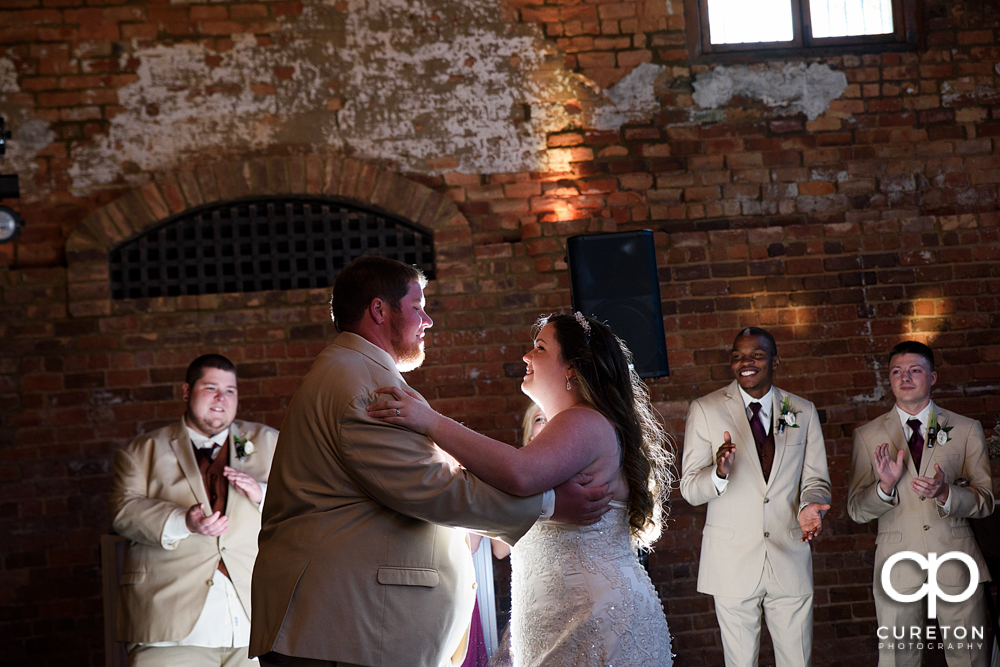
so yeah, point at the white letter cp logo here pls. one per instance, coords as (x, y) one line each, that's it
(930, 589)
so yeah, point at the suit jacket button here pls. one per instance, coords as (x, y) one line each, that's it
(210, 582)
(927, 527)
(766, 534)
(767, 500)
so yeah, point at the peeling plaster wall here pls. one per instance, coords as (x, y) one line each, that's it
(632, 99)
(31, 136)
(793, 87)
(180, 105)
(386, 80)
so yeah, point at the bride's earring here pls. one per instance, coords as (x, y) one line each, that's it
(569, 387)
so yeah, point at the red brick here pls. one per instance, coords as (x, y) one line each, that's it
(976, 37)
(938, 71)
(287, 9)
(56, 66)
(596, 59)
(578, 13)
(617, 10)
(222, 28)
(884, 105)
(816, 188)
(58, 99)
(39, 83)
(633, 58)
(540, 15)
(208, 13)
(99, 31)
(248, 11)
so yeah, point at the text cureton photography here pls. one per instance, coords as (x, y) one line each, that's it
(942, 637)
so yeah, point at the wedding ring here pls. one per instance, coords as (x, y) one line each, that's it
(397, 412)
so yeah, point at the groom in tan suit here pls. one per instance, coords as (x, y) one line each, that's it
(755, 455)
(364, 559)
(922, 472)
(188, 498)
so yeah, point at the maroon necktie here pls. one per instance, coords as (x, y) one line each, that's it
(916, 442)
(765, 446)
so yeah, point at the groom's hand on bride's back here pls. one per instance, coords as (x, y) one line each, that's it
(579, 504)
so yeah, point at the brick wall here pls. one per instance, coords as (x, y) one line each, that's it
(874, 222)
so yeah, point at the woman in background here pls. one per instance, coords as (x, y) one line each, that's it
(532, 424)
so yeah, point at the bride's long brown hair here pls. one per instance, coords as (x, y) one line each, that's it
(608, 383)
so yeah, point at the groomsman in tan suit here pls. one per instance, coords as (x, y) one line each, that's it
(755, 454)
(188, 498)
(364, 558)
(922, 472)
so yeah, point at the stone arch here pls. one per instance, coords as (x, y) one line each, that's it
(89, 289)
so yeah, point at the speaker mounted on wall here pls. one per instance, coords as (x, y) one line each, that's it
(613, 278)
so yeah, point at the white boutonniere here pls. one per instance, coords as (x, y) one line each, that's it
(244, 448)
(787, 416)
(937, 432)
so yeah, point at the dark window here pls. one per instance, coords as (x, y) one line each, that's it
(745, 30)
(259, 244)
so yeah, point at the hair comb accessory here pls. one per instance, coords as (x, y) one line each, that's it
(582, 321)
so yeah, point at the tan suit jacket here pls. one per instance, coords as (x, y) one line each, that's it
(163, 590)
(752, 518)
(910, 524)
(360, 560)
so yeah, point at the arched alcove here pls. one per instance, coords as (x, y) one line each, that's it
(172, 194)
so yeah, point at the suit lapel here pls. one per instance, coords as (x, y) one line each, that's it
(779, 438)
(743, 438)
(895, 430)
(180, 442)
(235, 462)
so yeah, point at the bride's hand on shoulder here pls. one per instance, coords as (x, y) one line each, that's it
(406, 409)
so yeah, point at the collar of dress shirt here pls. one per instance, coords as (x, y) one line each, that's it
(923, 416)
(202, 442)
(765, 401)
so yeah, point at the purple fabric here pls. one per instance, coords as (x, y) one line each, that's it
(476, 655)
(916, 442)
(764, 442)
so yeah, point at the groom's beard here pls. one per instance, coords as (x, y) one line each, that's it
(410, 353)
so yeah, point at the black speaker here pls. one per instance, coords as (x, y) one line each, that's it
(613, 278)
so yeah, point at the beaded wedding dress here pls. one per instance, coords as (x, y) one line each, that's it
(581, 599)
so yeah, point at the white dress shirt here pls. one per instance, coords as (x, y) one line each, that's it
(548, 504)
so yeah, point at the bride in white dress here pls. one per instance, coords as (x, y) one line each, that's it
(580, 595)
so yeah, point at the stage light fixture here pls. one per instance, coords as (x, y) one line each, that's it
(10, 224)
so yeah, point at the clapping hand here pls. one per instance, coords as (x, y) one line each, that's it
(888, 469)
(724, 456)
(932, 487)
(213, 525)
(245, 484)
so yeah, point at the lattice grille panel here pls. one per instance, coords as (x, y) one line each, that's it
(276, 243)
